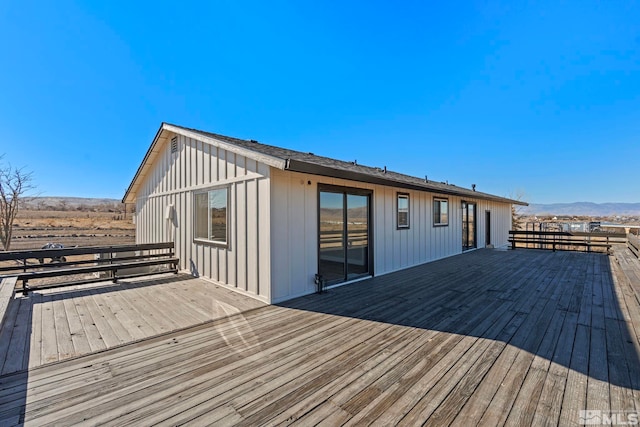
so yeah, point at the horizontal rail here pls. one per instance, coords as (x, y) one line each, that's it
(163, 254)
(539, 233)
(563, 240)
(113, 268)
(23, 268)
(93, 269)
(85, 250)
(92, 280)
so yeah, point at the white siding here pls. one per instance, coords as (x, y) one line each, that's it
(273, 237)
(294, 222)
(242, 265)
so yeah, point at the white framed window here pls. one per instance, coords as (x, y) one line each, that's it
(402, 204)
(440, 211)
(211, 216)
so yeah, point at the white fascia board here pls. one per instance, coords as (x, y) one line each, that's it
(143, 169)
(275, 162)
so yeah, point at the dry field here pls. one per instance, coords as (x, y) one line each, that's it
(35, 228)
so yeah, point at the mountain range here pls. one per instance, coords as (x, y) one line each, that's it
(68, 202)
(582, 208)
(576, 208)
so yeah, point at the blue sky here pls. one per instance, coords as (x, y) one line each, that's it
(540, 98)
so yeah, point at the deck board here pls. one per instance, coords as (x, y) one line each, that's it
(78, 335)
(489, 337)
(7, 336)
(69, 322)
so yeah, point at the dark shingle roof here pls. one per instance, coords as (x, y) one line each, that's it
(298, 161)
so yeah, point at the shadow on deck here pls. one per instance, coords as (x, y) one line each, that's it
(568, 308)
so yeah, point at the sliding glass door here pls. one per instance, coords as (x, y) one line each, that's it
(344, 234)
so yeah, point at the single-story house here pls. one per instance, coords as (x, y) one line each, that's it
(270, 222)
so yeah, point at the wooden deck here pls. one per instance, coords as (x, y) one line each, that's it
(56, 324)
(489, 337)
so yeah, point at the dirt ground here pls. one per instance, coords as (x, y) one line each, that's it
(35, 228)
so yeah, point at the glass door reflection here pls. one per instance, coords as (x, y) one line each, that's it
(344, 235)
(468, 226)
(357, 235)
(332, 237)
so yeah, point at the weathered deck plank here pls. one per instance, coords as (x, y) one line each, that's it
(575, 393)
(78, 335)
(489, 337)
(20, 340)
(74, 321)
(6, 335)
(144, 362)
(524, 407)
(35, 349)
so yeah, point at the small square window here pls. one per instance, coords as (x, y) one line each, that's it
(440, 212)
(403, 210)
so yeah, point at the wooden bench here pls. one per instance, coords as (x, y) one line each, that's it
(24, 271)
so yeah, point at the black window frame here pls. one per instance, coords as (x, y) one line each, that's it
(398, 225)
(438, 201)
(207, 241)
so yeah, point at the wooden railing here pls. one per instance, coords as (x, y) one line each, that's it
(552, 240)
(633, 242)
(336, 238)
(118, 261)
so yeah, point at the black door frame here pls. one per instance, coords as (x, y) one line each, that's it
(465, 212)
(487, 228)
(345, 191)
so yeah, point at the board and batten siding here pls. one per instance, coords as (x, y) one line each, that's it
(245, 264)
(294, 229)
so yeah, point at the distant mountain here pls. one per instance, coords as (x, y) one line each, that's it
(68, 202)
(583, 208)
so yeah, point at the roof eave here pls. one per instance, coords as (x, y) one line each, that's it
(276, 162)
(129, 195)
(294, 166)
(156, 145)
(315, 169)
